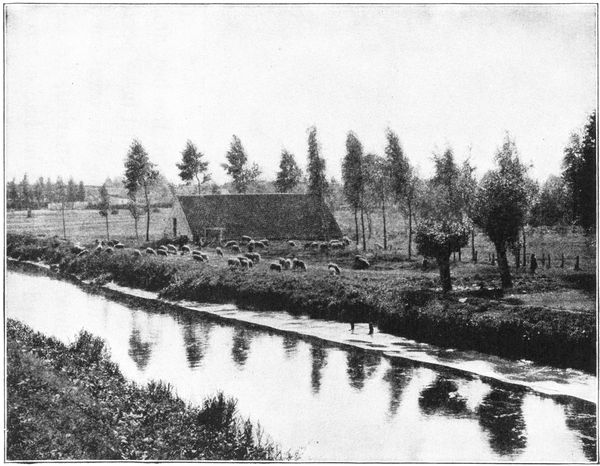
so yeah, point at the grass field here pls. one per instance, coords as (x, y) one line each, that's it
(87, 225)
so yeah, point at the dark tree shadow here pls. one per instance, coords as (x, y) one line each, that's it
(501, 415)
(195, 338)
(398, 376)
(441, 397)
(290, 345)
(361, 366)
(581, 418)
(139, 350)
(240, 349)
(319, 361)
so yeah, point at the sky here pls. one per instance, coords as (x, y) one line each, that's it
(82, 81)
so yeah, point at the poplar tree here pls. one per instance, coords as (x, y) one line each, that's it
(237, 168)
(193, 166)
(104, 206)
(289, 174)
(353, 175)
(317, 181)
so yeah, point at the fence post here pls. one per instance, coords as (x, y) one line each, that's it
(549, 262)
(562, 261)
(577, 263)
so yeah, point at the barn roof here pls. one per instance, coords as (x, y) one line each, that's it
(273, 216)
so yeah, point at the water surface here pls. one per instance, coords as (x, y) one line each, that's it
(329, 403)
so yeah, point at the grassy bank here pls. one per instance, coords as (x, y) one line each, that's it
(71, 402)
(403, 303)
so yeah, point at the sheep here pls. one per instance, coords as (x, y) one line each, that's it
(198, 257)
(219, 252)
(233, 262)
(172, 249)
(186, 248)
(98, 249)
(77, 249)
(163, 247)
(137, 253)
(333, 268)
(259, 244)
(251, 246)
(378, 246)
(162, 252)
(246, 239)
(197, 251)
(110, 243)
(274, 266)
(150, 251)
(253, 256)
(334, 244)
(235, 248)
(264, 241)
(314, 245)
(307, 245)
(298, 264)
(291, 244)
(346, 240)
(244, 262)
(201, 254)
(83, 253)
(281, 260)
(323, 247)
(360, 263)
(119, 245)
(230, 244)
(287, 265)
(109, 250)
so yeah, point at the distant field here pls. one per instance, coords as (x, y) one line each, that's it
(87, 225)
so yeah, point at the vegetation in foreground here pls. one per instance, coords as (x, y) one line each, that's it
(406, 304)
(71, 402)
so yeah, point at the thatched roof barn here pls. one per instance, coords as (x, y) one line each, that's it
(272, 216)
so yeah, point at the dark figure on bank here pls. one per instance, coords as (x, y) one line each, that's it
(533, 263)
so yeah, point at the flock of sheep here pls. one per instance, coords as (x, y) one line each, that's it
(243, 261)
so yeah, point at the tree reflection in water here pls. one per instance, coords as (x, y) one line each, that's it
(361, 365)
(398, 376)
(195, 338)
(441, 397)
(290, 344)
(240, 349)
(581, 418)
(140, 351)
(318, 356)
(501, 415)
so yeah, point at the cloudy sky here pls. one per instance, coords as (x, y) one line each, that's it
(83, 80)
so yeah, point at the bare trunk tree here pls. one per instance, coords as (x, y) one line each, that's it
(444, 266)
(503, 266)
(356, 224)
(473, 258)
(524, 249)
(384, 225)
(106, 217)
(362, 222)
(147, 212)
(63, 220)
(409, 230)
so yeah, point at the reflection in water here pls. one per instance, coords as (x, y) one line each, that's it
(581, 418)
(361, 366)
(318, 356)
(140, 351)
(240, 349)
(441, 397)
(196, 339)
(501, 414)
(398, 376)
(290, 344)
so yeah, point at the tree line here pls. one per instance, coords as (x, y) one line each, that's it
(27, 196)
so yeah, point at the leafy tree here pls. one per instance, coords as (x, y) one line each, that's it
(49, 191)
(71, 191)
(579, 173)
(443, 228)
(317, 181)
(553, 203)
(353, 175)
(12, 194)
(289, 174)
(414, 186)
(192, 165)
(26, 194)
(38, 192)
(139, 174)
(501, 204)
(81, 192)
(104, 206)
(400, 176)
(237, 169)
(378, 186)
(61, 196)
(467, 188)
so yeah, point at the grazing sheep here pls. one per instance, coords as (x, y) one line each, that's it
(253, 256)
(83, 253)
(251, 246)
(219, 252)
(259, 245)
(197, 251)
(346, 240)
(204, 256)
(98, 249)
(137, 253)
(250, 264)
(198, 257)
(323, 247)
(333, 268)
(162, 252)
(244, 262)
(307, 245)
(314, 245)
(287, 265)
(77, 249)
(378, 246)
(235, 248)
(162, 247)
(334, 244)
(109, 250)
(360, 263)
(150, 251)
(274, 266)
(186, 248)
(119, 246)
(172, 249)
(291, 244)
(246, 239)
(230, 244)
(298, 264)
(233, 262)
(281, 260)
(264, 241)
